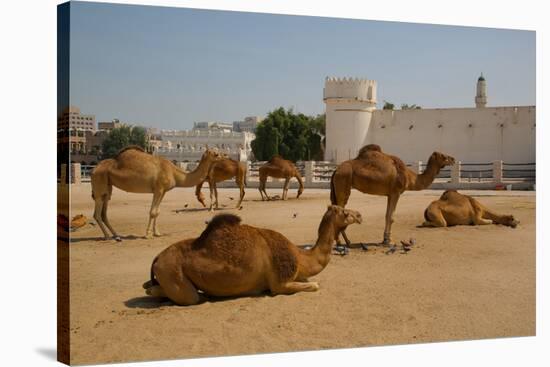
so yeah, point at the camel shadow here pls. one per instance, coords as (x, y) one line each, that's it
(148, 302)
(189, 210)
(102, 239)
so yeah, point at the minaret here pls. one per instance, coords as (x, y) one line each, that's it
(481, 94)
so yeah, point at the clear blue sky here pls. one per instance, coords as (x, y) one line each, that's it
(168, 67)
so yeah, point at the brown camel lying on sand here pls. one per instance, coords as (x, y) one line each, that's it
(454, 208)
(221, 171)
(378, 173)
(279, 167)
(234, 259)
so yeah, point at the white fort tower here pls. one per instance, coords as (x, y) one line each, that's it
(477, 134)
(349, 106)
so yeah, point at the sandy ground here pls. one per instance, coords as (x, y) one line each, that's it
(456, 283)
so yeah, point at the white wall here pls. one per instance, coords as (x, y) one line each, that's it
(414, 134)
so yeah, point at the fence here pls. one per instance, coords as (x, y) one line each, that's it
(317, 174)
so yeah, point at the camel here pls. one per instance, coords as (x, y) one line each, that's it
(377, 173)
(134, 170)
(279, 167)
(221, 171)
(454, 208)
(234, 259)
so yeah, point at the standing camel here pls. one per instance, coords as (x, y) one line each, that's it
(377, 173)
(221, 171)
(134, 170)
(279, 168)
(234, 259)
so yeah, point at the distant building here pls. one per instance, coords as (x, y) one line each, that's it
(71, 118)
(248, 125)
(189, 145)
(212, 126)
(108, 126)
(477, 134)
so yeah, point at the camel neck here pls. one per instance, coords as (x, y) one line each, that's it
(319, 256)
(425, 179)
(188, 179)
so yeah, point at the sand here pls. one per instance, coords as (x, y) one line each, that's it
(457, 283)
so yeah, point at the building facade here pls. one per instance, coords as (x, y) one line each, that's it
(189, 145)
(249, 124)
(472, 135)
(71, 118)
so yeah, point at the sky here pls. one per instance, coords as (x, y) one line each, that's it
(169, 67)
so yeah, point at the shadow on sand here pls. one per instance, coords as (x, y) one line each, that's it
(148, 302)
(102, 239)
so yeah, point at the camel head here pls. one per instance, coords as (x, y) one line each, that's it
(441, 159)
(510, 221)
(213, 155)
(341, 218)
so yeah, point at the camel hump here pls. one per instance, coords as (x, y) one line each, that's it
(218, 221)
(448, 193)
(368, 148)
(276, 158)
(129, 147)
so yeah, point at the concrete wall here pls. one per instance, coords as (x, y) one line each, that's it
(471, 135)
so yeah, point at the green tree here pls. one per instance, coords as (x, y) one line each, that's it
(293, 136)
(388, 106)
(121, 137)
(405, 106)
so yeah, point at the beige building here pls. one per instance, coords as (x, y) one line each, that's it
(478, 134)
(249, 124)
(109, 125)
(71, 118)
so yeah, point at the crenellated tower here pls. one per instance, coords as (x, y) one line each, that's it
(349, 105)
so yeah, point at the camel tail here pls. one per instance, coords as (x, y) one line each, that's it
(152, 274)
(426, 215)
(333, 200)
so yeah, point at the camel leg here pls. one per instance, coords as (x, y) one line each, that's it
(285, 188)
(156, 291)
(294, 287)
(106, 220)
(175, 285)
(216, 194)
(156, 231)
(240, 183)
(479, 220)
(199, 195)
(153, 214)
(261, 187)
(436, 219)
(211, 196)
(98, 210)
(390, 209)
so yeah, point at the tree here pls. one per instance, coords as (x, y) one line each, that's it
(405, 106)
(293, 136)
(121, 137)
(388, 106)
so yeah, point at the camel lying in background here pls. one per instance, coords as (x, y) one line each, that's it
(279, 167)
(134, 170)
(234, 259)
(221, 171)
(377, 173)
(454, 208)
